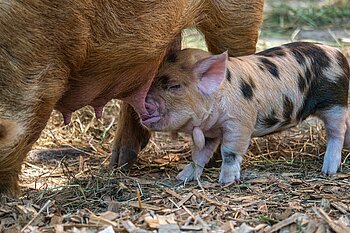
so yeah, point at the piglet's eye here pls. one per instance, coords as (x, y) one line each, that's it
(174, 87)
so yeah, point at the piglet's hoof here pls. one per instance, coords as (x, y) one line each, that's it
(225, 182)
(331, 165)
(190, 172)
(229, 175)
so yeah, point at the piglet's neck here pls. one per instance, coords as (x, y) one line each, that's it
(206, 120)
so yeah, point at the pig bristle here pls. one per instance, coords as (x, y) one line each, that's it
(265, 94)
(65, 55)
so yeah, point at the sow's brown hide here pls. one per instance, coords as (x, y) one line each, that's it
(68, 54)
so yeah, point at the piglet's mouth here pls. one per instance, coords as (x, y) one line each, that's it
(148, 120)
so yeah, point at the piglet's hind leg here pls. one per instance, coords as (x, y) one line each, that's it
(230, 167)
(347, 133)
(335, 124)
(234, 146)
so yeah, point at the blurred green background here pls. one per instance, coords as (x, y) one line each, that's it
(325, 21)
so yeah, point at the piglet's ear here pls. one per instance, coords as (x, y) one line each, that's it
(211, 72)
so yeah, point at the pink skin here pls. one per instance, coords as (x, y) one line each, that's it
(137, 100)
(209, 74)
(152, 104)
(98, 111)
(219, 116)
(212, 72)
(145, 109)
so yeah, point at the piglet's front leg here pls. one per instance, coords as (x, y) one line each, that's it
(234, 146)
(200, 157)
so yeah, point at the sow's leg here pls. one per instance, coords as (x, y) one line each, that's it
(131, 137)
(232, 25)
(26, 102)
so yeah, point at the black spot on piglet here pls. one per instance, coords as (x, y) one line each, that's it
(171, 57)
(306, 50)
(288, 108)
(270, 66)
(301, 83)
(272, 52)
(229, 158)
(164, 81)
(228, 75)
(269, 120)
(246, 89)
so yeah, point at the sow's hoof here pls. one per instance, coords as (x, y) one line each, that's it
(123, 157)
(9, 184)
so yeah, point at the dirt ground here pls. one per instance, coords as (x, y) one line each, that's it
(67, 185)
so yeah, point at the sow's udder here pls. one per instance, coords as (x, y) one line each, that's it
(98, 96)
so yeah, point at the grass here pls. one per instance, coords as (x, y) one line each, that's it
(284, 18)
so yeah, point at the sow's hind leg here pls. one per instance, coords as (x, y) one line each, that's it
(232, 25)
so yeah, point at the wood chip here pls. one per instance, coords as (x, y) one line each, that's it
(203, 196)
(263, 180)
(345, 219)
(243, 199)
(191, 228)
(321, 229)
(338, 227)
(139, 199)
(209, 211)
(154, 221)
(188, 211)
(183, 200)
(107, 230)
(144, 206)
(169, 228)
(131, 228)
(244, 228)
(173, 193)
(109, 215)
(56, 220)
(311, 227)
(344, 209)
(228, 226)
(292, 219)
(99, 220)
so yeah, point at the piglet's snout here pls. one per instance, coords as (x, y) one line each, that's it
(152, 107)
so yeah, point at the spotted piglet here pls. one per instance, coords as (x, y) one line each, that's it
(227, 100)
